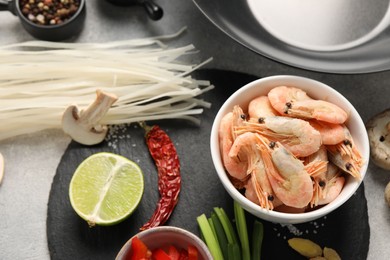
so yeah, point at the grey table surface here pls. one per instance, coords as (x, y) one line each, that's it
(31, 160)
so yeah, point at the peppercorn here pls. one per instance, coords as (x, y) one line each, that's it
(49, 12)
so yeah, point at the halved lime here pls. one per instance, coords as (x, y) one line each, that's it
(106, 188)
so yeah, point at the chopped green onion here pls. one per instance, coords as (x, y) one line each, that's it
(230, 251)
(233, 252)
(209, 237)
(221, 238)
(228, 227)
(220, 234)
(242, 230)
(212, 226)
(257, 239)
(236, 252)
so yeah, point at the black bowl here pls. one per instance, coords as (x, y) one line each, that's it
(56, 32)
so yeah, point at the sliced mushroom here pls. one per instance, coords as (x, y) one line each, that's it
(1, 167)
(84, 127)
(378, 129)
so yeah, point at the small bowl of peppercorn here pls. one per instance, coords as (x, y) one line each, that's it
(49, 20)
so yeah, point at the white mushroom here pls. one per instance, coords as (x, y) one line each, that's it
(84, 127)
(1, 167)
(378, 129)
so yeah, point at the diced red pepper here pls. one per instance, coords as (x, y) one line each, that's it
(173, 253)
(183, 255)
(192, 252)
(160, 254)
(139, 250)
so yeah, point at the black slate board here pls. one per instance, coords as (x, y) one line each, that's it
(69, 237)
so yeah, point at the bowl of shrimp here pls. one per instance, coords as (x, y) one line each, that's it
(289, 149)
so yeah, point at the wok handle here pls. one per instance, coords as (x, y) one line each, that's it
(6, 5)
(153, 10)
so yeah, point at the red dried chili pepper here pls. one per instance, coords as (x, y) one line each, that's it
(164, 154)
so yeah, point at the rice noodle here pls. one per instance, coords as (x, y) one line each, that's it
(39, 80)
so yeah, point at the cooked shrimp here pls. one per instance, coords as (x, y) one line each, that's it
(288, 177)
(244, 148)
(330, 133)
(255, 193)
(317, 166)
(233, 165)
(280, 97)
(316, 163)
(345, 155)
(261, 107)
(297, 135)
(318, 109)
(239, 118)
(258, 188)
(334, 183)
(251, 191)
(295, 102)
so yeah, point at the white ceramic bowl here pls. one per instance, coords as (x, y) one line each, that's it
(159, 237)
(316, 90)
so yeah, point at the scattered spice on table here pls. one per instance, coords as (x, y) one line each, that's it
(49, 12)
(164, 154)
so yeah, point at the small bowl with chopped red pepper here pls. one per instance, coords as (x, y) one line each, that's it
(165, 242)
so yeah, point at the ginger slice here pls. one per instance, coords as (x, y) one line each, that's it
(305, 247)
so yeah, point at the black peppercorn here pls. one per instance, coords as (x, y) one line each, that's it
(49, 12)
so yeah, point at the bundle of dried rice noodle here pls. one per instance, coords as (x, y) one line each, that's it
(39, 80)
